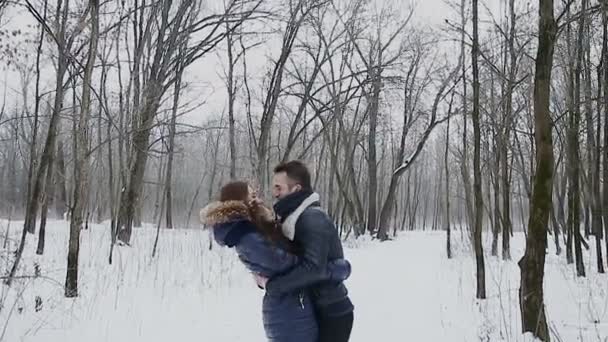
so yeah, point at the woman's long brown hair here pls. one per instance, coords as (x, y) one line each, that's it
(269, 228)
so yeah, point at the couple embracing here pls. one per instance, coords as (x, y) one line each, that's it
(294, 253)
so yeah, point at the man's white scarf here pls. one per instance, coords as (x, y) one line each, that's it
(289, 225)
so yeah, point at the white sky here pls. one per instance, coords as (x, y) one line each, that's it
(203, 77)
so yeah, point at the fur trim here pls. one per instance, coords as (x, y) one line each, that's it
(222, 212)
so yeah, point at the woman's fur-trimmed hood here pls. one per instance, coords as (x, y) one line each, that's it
(217, 213)
(223, 212)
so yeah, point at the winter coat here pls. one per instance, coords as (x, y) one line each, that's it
(307, 224)
(287, 316)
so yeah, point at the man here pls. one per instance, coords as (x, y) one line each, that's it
(304, 222)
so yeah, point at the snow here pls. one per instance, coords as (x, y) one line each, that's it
(403, 290)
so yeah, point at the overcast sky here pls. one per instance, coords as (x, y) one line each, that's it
(203, 77)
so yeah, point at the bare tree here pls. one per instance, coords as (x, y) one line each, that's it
(403, 162)
(593, 153)
(33, 155)
(574, 190)
(82, 157)
(532, 264)
(299, 11)
(376, 61)
(179, 70)
(464, 160)
(481, 282)
(603, 77)
(172, 32)
(448, 228)
(64, 44)
(231, 88)
(506, 134)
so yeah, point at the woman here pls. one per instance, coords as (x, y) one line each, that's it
(241, 222)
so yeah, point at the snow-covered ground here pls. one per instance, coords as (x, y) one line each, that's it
(403, 290)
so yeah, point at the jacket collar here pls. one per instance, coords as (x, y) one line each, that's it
(291, 207)
(288, 204)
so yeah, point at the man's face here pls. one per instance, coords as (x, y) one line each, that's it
(282, 185)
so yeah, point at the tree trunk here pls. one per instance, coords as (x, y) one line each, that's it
(574, 189)
(130, 197)
(569, 242)
(216, 148)
(593, 153)
(556, 231)
(298, 14)
(33, 154)
(12, 177)
(481, 278)
(438, 201)
(586, 215)
(61, 199)
(81, 179)
(447, 192)
(496, 229)
(464, 166)
(158, 224)
(231, 98)
(33, 200)
(570, 94)
(101, 204)
(8, 281)
(372, 163)
(111, 189)
(160, 172)
(506, 202)
(49, 146)
(605, 100)
(507, 226)
(532, 264)
(171, 146)
(49, 190)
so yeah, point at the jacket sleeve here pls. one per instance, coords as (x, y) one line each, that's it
(313, 236)
(339, 270)
(262, 257)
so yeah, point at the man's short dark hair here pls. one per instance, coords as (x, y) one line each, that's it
(297, 171)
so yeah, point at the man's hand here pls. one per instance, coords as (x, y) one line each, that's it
(261, 281)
